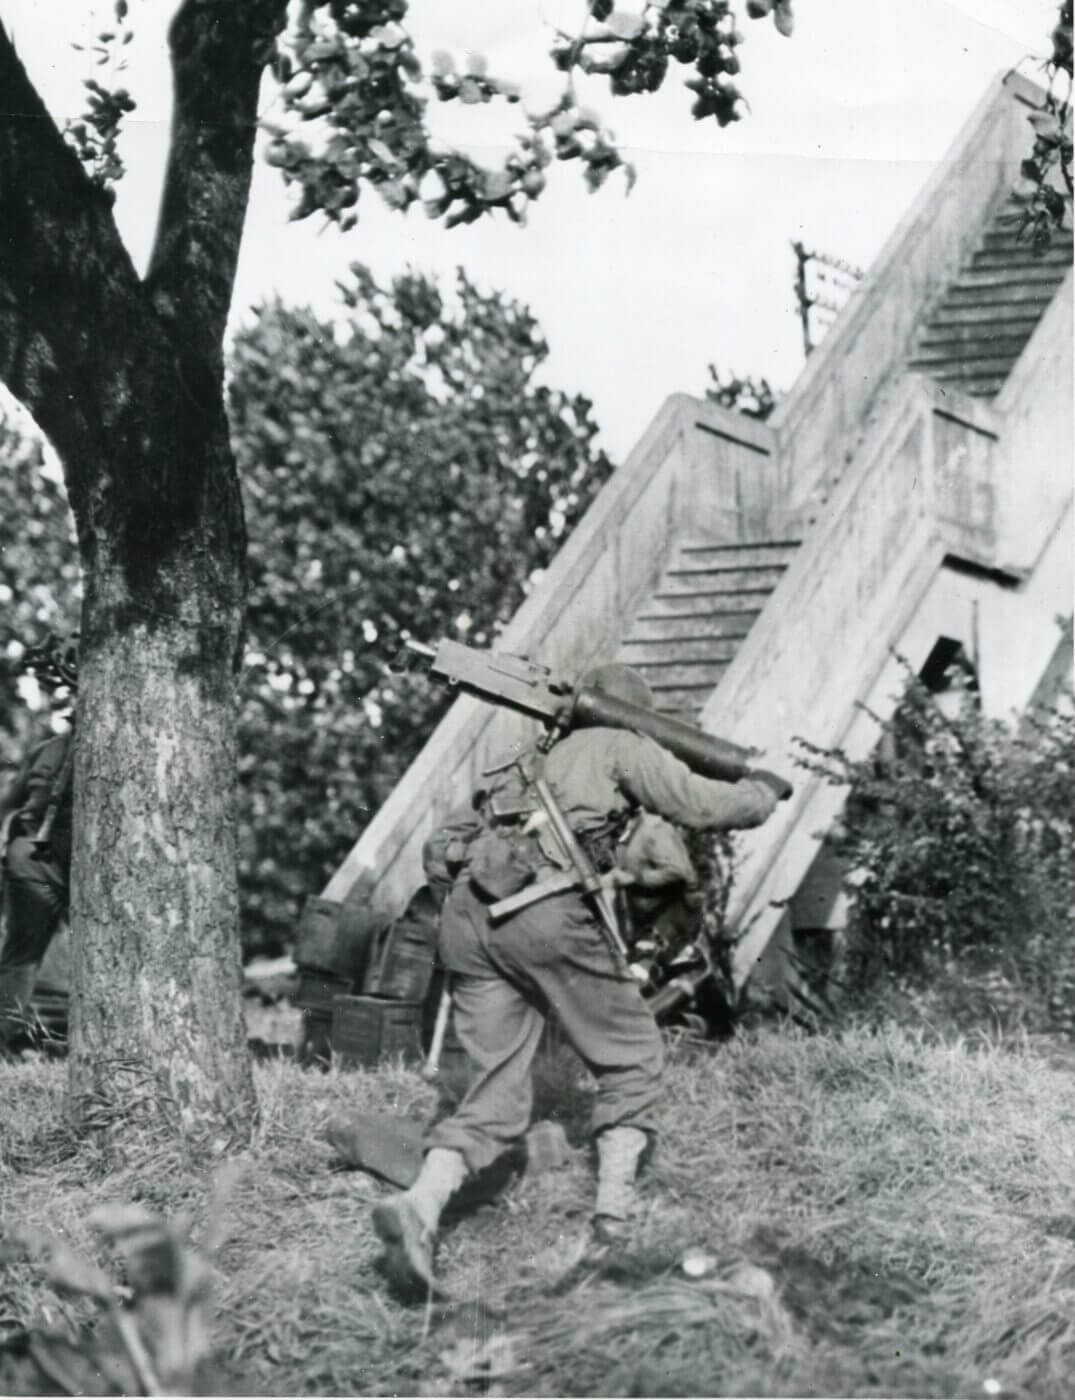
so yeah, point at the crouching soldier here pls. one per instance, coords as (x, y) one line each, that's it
(552, 957)
(35, 854)
(36, 877)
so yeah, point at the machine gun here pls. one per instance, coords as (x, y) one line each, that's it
(531, 689)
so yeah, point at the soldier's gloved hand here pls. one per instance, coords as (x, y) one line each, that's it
(780, 787)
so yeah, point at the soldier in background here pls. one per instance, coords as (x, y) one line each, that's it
(35, 820)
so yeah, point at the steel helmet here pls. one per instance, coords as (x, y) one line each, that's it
(620, 683)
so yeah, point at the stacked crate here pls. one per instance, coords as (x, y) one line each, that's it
(365, 981)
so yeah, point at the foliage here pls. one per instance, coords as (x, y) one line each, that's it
(355, 96)
(957, 837)
(406, 474)
(754, 397)
(39, 576)
(1045, 185)
(94, 136)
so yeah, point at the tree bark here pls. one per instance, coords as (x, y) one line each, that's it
(157, 1024)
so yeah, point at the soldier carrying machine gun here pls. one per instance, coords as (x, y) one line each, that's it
(528, 927)
(529, 688)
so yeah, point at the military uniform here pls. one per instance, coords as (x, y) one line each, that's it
(36, 880)
(553, 956)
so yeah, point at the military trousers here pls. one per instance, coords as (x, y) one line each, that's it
(551, 958)
(35, 903)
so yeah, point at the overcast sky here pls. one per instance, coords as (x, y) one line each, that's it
(636, 295)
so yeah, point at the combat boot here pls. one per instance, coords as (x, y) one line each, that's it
(408, 1223)
(619, 1151)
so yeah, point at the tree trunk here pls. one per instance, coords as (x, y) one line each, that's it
(126, 377)
(156, 1025)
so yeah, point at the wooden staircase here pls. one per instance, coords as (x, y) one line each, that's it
(687, 631)
(978, 329)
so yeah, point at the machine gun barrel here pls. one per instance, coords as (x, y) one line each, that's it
(704, 753)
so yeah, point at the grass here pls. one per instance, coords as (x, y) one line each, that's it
(889, 1216)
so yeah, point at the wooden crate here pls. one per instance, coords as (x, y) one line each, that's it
(316, 990)
(367, 1030)
(316, 942)
(315, 994)
(404, 970)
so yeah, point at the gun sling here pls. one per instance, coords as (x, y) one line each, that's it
(581, 875)
(542, 889)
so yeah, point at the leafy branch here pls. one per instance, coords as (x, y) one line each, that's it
(355, 97)
(1045, 184)
(94, 136)
(755, 398)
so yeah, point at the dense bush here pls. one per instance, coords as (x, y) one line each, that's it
(406, 474)
(957, 839)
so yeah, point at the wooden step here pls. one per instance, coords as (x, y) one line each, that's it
(957, 368)
(997, 353)
(686, 651)
(732, 578)
(1034, 296)
(1007, 234)
(702, 673)
(981, 386)
(985, 313)
(998, 333)
(1003, 277)
(702, 555)
(685, 700)
(1020, 256)
(692, 626)
(730, 602)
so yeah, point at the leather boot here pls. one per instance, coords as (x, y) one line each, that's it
(619, 1151)
(408, 1223)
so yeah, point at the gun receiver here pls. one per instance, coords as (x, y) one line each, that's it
(531, 689)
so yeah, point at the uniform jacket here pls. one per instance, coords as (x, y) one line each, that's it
(30, 790)
(597, 774)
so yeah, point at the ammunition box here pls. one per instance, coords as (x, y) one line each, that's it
(367, 1030)
(316, 990)
(405, 967)
(316, 942)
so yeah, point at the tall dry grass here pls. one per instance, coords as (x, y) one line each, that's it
(888, 1216)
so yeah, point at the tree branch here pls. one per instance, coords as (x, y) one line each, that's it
(68, 291)
(219, 51)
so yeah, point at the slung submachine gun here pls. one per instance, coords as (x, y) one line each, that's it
(531, 689)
